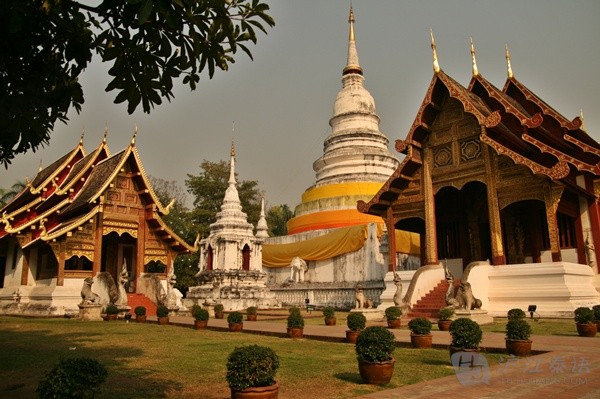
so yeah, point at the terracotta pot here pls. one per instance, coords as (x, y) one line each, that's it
(330, 322)
(518, 347)
(236, 327)
(251, 317)
(394, 323)
(200, 324)
(421, 341)
(163, 321)
(270, 392)
(376, 373)
(351, 336)
(295, 332)
(219, 315)
(444, 325)
(140, 319)
(110, 317)
(587, 330)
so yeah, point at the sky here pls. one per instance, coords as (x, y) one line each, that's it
(282, 101)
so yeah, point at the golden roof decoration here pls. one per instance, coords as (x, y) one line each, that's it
(436, 65)
(509, 71)
(475, 70)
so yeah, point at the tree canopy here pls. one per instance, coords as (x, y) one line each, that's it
(47, 44)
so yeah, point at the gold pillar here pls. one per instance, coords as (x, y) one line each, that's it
(431, 254)
(491, 171)
(552, 198)
(97, 263)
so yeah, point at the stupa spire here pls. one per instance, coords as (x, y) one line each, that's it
(436, 65)
(262, 229)
(352, 65)
(475, 71)
(509, 71)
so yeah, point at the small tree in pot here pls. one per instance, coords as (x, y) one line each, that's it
(393, 316)
(200, 317)
(329, 315)
(219, 311)
(356, 322)
(466, 336)
(445, 318)
(596, 309)
(236, 321)
(374, 348)
(518, 332)
(140, 314)
(112, 311)
(162, 314)
(251, 372)
(586, 325)
(295, 324)
(251, 313)
(515, 314)
(420, 333)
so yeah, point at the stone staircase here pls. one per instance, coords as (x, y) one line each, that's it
(430, 304)
(134, 300)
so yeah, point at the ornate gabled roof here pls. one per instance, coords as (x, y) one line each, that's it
(162, 230)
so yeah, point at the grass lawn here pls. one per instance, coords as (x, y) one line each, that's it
(151, 361)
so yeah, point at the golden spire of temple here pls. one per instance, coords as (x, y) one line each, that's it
(105, 133)
(351, 22)
(352, 64)
(473, 59)
(135, 132)
(40, 166)
(436, 65)
(509, 69)
(232, 135)
(582, 120)
(81, 137)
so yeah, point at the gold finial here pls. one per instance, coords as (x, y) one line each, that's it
(105, 133)
(81, 137)
(27, 182)
(582, 121)
(473, 59)
(509, 69)
(436, 65)
(134, 134)
(351, 22)
(40, 166)
(232, 136)
(232, 149)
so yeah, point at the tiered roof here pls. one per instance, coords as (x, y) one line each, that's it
(515, 122)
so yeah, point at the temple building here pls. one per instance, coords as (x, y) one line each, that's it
(341, 246)
(503, 190)
(85, 216)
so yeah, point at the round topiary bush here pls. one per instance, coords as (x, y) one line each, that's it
(112, 309)
(199, 313)
(162, 311)
(356, 321)
(584, 315)
(375, 344)
(329, 312)
(420, 326)
(74, 378)
(252, 310)
(140, 311)
(295, 320)
(235, 318)
(393, 313)
(251, 366)
(218, 308)
(294, 310)
(465, 333)
(515, 314)
(518, 329)
(446, 313)
(596, 310)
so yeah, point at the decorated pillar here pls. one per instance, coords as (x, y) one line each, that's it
(491, 170)
(552, 198)
(391, 233)
(97, 261)
(431, 254)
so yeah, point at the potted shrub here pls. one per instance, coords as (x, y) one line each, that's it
(162, 314)
(112, 311)
(356, 322)
(295, 324)
(200, 317)
(596, 309)
(420, 333)
(517, 340)
(393, 316)
(251, 372)
(140, 314)
(466, 336)
(374, 348)
(329, 314)
(515, 314)
(251, 313)
(219, 311)
(445, 318)
(236, 321)
(586, 325)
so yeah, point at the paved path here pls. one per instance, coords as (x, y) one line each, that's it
(568, 368)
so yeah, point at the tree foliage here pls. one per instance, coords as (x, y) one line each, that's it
(47, 44)
(277, 218)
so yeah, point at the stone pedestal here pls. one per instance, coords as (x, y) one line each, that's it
(480, 317)
(123, 310)
(173, 310)
(90, 312)
(370, 314)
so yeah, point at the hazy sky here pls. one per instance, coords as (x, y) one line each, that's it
(282, 101)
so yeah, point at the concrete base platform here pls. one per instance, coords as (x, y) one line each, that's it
(480, 317)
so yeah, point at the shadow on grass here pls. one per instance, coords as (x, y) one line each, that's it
(436, 362)
(349, 377)
(29, 355)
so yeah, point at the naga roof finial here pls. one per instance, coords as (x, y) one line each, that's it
(509, 69)
(81, 137)
(135, 132)
(473, 59)
(105, 133)
(436, 65)
(582, 120)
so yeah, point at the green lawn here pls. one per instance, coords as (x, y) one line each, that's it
(151, 361)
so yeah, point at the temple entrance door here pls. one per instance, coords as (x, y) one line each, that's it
(463, 234)
(246, 258)
(115, 249)
(525, 232)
